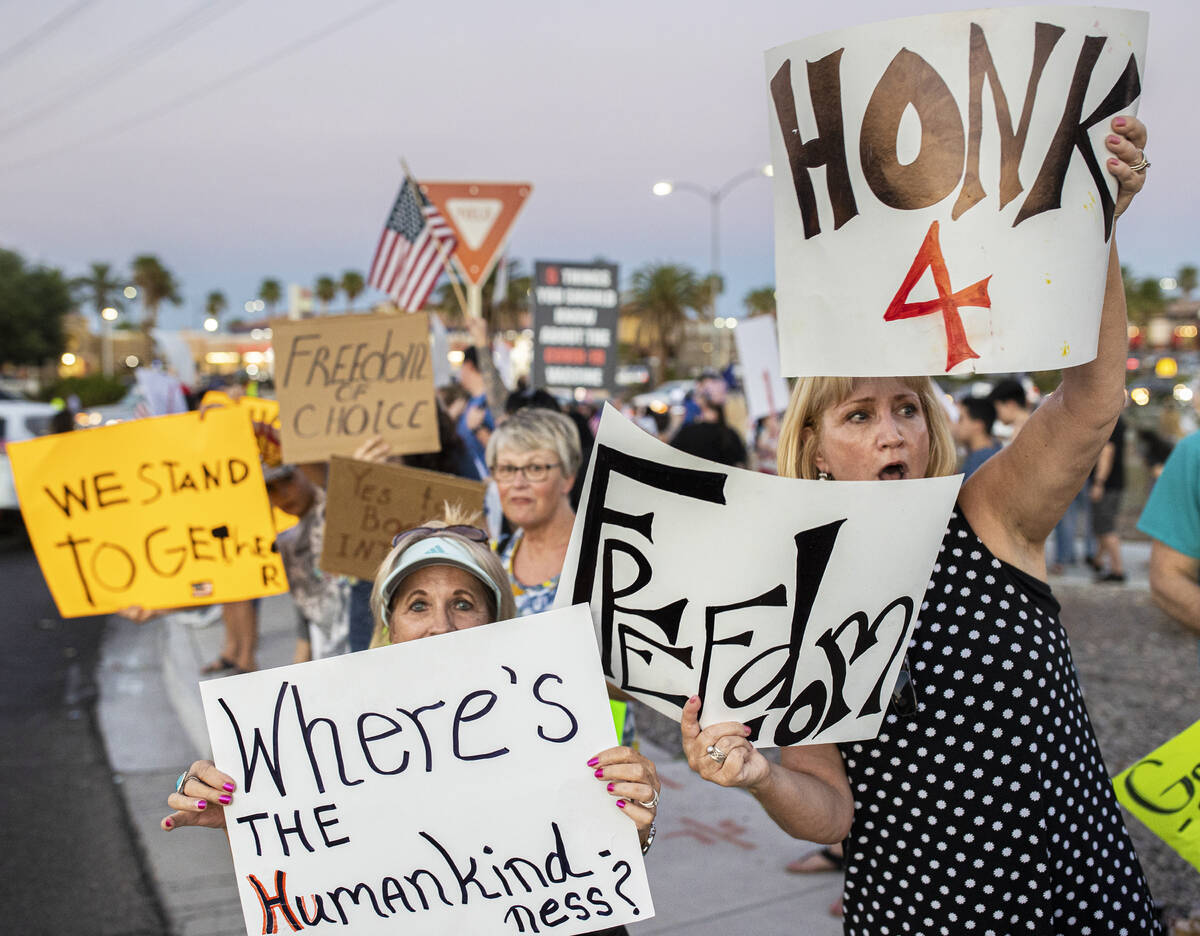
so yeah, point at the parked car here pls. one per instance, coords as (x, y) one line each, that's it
(20, 419)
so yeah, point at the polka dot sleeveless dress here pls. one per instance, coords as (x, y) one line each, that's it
(988, 809)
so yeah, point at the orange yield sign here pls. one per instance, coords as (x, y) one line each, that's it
(481, 214)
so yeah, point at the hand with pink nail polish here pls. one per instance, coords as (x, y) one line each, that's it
(632, 780)
(201, 798)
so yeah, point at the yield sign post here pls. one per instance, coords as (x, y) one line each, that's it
(482, 214)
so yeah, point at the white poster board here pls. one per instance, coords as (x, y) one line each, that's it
(758, 350)
(437, 786)
(923, 226)
(786, 605)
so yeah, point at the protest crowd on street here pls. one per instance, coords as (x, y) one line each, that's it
(527, 606)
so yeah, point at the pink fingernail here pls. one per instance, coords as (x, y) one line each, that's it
(594, 761)
(1114, 139)
(168, 823)
(1119, 122)
(694, 698)
(224, 800)
(746, 729)
(202, 804)
(228, 787)
(620, 804)
(1114, 162)
(600, 772)
(611, 787)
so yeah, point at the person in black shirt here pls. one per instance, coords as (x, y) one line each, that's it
(708, 436)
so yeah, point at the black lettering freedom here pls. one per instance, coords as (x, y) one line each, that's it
(947, 154)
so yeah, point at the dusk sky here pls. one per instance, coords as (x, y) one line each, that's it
(120, 135)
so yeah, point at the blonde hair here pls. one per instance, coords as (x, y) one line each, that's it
(812, 396)
(533, 428)
(452, 515)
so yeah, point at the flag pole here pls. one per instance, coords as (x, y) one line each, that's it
(445, 257)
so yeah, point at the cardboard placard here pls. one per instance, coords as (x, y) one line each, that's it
(378, 788)
(942, 202)
(164, 513)
(342, 379)
(773, 599)
(575, 309)
(766, 392)
(369, 503)
(1161, 790)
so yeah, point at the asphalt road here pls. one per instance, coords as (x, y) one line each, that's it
(69, 863)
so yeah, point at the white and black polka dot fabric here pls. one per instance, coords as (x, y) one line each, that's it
(989, 811)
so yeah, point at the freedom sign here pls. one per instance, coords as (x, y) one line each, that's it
(942, 203)
(164, 513)
(784, 604)
(438, 786)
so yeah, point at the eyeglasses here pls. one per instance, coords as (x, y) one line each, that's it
(532, 472)
(474, 534)
(904, 696)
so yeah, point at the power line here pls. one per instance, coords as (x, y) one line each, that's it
(47, 29)
(191, 96)
(121, 63)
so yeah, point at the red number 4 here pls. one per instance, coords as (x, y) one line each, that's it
(948, 302)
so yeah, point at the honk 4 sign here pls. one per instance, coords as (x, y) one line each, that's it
(439, 786)
(942, 203)
(786, 605)
(162, 513)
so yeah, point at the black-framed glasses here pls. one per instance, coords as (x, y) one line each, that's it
(474, 534)
(904, 695)
(534, 471)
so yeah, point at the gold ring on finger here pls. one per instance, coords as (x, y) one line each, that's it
(1142, 164)
(651, 803)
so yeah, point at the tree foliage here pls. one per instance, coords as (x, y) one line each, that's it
(33, 301)
(1186, 277)
(760, 301)
(99, 288)
(325, 290)
(352, 285)
(662, 296)
(156, 285)
(216, 303)
(270, 292)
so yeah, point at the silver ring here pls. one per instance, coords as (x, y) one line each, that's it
(1142, 164)
(182, 782)
(716, 754)
(652, 804)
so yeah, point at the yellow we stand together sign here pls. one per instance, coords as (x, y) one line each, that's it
(162, 513)
(1163, 790)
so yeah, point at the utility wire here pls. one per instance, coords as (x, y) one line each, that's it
(191, 96)
(47, 29)
(118, 64)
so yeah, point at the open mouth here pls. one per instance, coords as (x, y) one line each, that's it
(896, 471)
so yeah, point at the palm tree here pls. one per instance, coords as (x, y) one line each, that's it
(325, 290)
(707, 290)
(352, 285)
(215, 304)
(661, 297)
(509, 311)
(156, 284)
(270, 292)
(1143, 297)
(99, 288)
(1186, 278)
(760, 301)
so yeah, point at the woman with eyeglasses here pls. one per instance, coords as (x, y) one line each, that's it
(984, 804)
(534, 456)
(439, 577)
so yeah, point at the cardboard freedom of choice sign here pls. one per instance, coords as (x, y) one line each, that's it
(163, 513)
(941, 197)
(342, 379)
(783, 604)
(766, 392)
(575, 308)
(367, 504)
(436, 786)
(1162, 790)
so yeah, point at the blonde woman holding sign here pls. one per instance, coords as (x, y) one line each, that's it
(984, 804)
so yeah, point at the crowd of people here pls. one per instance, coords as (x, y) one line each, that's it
(983, 804)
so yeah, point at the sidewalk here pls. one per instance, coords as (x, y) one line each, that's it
(716, 867)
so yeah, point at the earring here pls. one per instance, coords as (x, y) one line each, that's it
(824, 476)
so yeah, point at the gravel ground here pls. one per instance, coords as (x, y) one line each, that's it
(1141, 681)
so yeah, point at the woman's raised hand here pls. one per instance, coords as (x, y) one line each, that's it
(373, 449)
(1127, 144)
(720, 752)
(201, 798)
(632, 780)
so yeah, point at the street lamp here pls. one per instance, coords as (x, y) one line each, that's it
(714, 197)
(211, 324)
(109, 314)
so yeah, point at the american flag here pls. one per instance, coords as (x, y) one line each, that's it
(407, 262)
